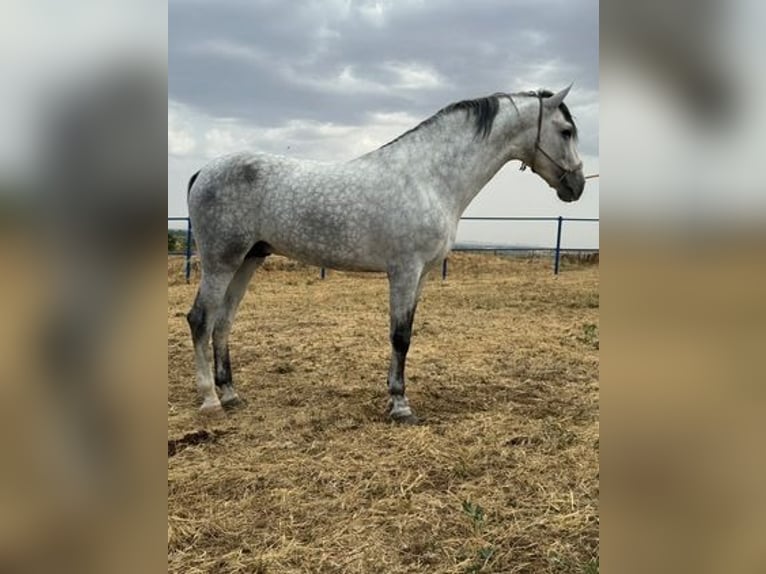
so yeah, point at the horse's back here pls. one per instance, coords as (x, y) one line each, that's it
(338, 215)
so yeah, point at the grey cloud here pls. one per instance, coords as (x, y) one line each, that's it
(293, 54)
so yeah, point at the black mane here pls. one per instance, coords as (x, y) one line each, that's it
(484, 110)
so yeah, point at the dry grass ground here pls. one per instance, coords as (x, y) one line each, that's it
(309, 476)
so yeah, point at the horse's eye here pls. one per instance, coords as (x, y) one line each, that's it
(566, 134)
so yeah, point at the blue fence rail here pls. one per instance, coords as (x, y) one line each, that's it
(556, 251)
(188, 253)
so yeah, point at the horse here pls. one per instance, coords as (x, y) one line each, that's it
(395, 210)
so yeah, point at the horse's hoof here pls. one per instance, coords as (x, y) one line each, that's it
(212, 411)
(232, 403)
(408, 419)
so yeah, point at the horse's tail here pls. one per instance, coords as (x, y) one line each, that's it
(191, 182)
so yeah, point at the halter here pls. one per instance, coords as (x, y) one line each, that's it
(564, 172)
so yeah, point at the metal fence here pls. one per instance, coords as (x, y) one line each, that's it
(556, 251)
(188, 250)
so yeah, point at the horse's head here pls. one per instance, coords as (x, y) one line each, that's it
(553, 151)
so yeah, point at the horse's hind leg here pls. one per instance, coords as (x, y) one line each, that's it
(203, 315)
(234, 294)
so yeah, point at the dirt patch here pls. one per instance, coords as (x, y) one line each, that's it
(192, 439)
(311, 477)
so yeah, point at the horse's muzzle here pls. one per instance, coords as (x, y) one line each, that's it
(571, 186)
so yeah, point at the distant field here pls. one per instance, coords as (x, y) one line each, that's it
(309, 476)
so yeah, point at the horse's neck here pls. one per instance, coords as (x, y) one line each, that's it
(448, 154)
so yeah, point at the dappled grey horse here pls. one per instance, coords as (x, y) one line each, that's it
(393, 210)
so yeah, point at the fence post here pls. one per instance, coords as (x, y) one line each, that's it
(444, 269)
(188, 248)
(558, 246)
(322, 273)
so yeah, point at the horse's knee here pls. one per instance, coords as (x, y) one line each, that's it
(222, 362)
(400, 338)
(197, 318)
(401, 334)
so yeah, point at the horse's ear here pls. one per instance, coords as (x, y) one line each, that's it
(555, 100)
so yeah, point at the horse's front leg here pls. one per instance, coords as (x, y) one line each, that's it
(405, 283)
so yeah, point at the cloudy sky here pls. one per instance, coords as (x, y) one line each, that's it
(333, 79)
